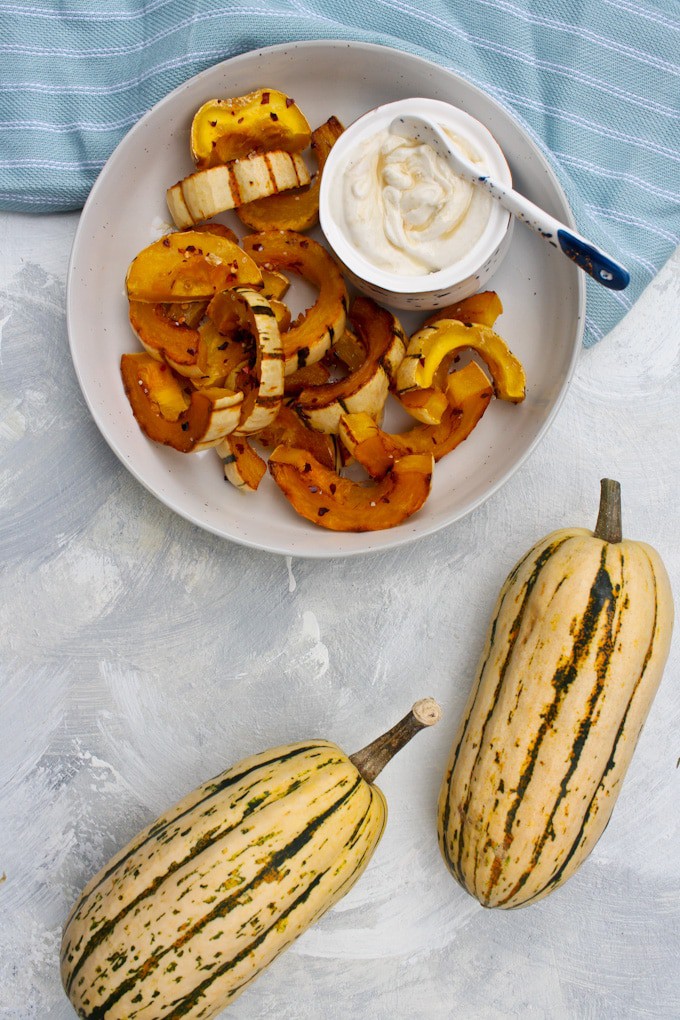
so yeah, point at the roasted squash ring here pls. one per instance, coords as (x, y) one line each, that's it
(243, 313)
(311, 334)
(287, 428)
(297, 209)
(365, 389)
(483, 308)
(166, 414)
(205, 193)
(444, 339)
(243, 467)
(162, 338)
(189, 265)
(226, 129)
(469, 393)
(339, 504)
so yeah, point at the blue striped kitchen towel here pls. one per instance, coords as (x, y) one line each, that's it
(594, 81)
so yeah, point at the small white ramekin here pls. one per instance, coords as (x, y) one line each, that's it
(431, 290)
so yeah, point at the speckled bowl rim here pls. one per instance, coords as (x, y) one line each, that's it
(117, 221)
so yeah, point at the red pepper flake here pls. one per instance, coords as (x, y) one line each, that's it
(265, 98)
(185, 426)
(166, 242)
(190, 247)
(323, 510)
(306, 468)
(258, 247)
(191, 350)
(162, 368)
(333, 487)
(304, 244)
(213, 123)
(274, 116)
(289, 102)
(240, 120)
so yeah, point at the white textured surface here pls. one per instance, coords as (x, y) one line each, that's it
(140, 655)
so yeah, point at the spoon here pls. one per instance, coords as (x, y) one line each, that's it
(587, 256)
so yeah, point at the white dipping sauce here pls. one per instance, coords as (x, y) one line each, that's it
(406, 210)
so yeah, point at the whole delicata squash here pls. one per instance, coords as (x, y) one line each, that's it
(203, 899)
(574, 655)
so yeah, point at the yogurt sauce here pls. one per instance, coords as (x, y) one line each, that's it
(406, 210)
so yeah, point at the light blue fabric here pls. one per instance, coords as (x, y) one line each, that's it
(595, 81)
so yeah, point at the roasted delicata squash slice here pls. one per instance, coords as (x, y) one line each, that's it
(312, 333)
(275, 285)
(433, 347)
(340, 504)
(287, 428)
(297, 209)
(171, 414)
(206, 193)
(164, 339)
(189, 266)
(247, 317)
(243, 467)
(365, 389)
(469, 393)
(311, 375)
(227, 129)
(483, 308)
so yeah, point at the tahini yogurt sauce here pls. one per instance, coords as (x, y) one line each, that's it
(405, 209)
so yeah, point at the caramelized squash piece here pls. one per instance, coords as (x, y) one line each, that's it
(245, 316)
(287, 428)
(165, 340)
(483, 309)
(189, 265)
(205, 193)
(297, 209)
(312, 333)
(243, 467)
(446, 338)
(469, 392)
(311, 375)
(427, 404)
(227, 129)
(168, 415)
(365, 389)
(339, 504)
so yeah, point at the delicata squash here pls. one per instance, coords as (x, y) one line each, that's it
(169, 412)
(261, 121)
(189, 265)
(194, 908)
(469, 393)
(296, 209)
(574, 655)
(340, 504)
(434, 346)
(365, 389)
(311, 335)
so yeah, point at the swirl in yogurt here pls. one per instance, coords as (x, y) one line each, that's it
(406, 210)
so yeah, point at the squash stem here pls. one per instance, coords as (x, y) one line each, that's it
(371, 760)
(608, 526)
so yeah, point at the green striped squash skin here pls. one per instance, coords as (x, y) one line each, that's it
(196, 905)
(573, 658)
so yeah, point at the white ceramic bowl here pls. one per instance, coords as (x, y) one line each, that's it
(432, 290)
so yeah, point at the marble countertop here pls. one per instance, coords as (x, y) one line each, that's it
(141, 655)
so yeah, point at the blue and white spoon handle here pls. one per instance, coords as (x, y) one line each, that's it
(597, 263)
